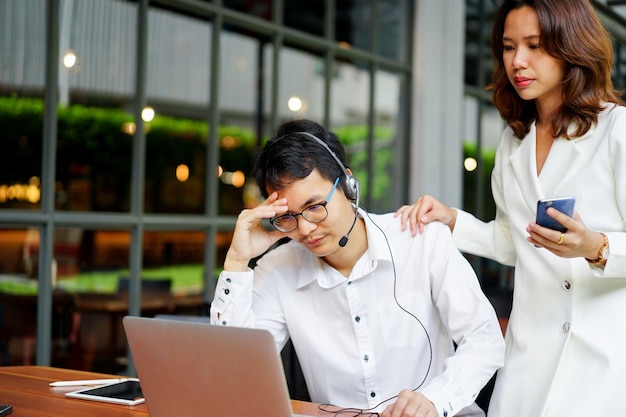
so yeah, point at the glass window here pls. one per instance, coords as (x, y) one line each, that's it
(22, 60)
(244, 78)
(94, 127)
(388, 96)
(301, 89)
(349, 115)
(353, 24)
(18, 295)
(20, 175)
(394, 29)
(257, 8)
(305, 15)
(176, 127)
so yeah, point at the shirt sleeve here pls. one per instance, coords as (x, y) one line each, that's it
(473, 325)
(232, 302)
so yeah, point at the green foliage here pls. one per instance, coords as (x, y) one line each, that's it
(97, 144)
(354, 137)
(20, 140)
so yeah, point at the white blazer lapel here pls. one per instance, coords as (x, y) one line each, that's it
(524, 165)
(564, 160)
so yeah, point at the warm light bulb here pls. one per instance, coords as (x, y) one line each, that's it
(147, 114)
(238, 179)
(69, 59)
(182, 172)
(470, 164)
(294, 104)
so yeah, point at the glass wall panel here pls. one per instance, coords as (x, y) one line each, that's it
(22, 69)
(349, 114)
(301, 90)
(257, 8)
(619, 69)
(394, 29)
(96, 81)
(350, 94)
(176, 127)
(305, 15)
(176, 257)
(89, 264)
(245, 91)
(353, 24)
(386, 119)
(22, 50)
(19, 267)
(18, 297)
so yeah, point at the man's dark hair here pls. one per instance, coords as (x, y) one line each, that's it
(292, 155)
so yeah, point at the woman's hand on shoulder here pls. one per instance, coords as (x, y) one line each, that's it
(425, 210)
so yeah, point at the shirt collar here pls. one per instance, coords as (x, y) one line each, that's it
(314, 269)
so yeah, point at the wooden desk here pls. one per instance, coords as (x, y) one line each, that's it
(26, 389)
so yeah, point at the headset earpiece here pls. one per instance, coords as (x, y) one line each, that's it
(350, 185)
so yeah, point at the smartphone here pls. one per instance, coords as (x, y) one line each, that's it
(127, 392)
(562, 204)
(5, 409)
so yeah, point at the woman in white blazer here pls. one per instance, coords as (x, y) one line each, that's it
(565, 136)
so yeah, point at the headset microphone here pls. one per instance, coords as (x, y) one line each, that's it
(344, 240)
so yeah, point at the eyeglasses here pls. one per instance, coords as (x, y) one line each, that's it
(314, 214)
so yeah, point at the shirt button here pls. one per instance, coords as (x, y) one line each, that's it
(357, 319)
(223, 323)
(226, 291)
(566, 285)
(566, 327)
(366, 358)
(349, 282)
(372, 394)
(228, 280)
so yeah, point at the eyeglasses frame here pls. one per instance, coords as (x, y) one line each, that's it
(295, 215)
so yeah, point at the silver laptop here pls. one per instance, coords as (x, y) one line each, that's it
(195, 369)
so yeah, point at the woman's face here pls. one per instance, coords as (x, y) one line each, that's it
(534, 73)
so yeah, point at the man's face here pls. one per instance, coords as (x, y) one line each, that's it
(321, 237)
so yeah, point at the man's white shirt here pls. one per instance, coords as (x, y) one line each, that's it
(362, 339)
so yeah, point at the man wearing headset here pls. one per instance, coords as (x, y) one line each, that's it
(381, 321)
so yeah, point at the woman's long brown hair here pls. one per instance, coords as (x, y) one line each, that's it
(571, 32)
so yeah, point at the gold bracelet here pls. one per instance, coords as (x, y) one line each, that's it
(603, 253)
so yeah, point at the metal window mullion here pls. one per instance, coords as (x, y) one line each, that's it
(277, 41)
(212, 160)
(329, 58)
(371, 122)
(138, 162)
(46, 247)
(402, 134)
(138, 168)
